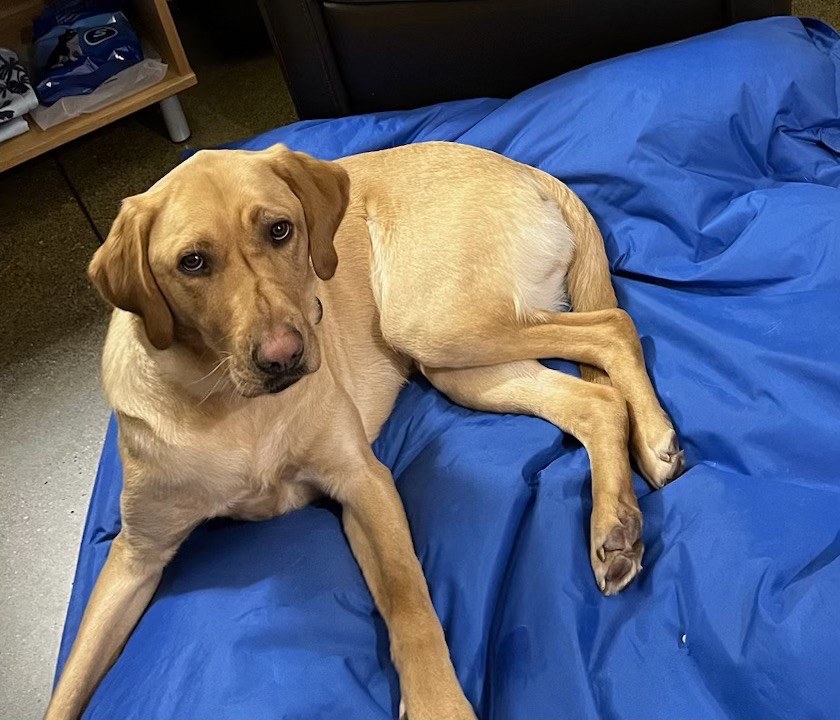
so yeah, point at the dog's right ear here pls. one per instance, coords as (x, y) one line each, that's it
(120, 271)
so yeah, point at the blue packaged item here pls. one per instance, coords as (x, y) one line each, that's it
(79, 45)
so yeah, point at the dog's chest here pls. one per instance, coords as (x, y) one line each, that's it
(249, 466)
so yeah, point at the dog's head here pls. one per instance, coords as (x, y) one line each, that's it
(216, 256)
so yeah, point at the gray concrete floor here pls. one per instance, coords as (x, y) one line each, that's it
(52, 416)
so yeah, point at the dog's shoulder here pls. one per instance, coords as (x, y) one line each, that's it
(134, 376)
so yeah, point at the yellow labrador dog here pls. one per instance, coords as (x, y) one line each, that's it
(270, 306)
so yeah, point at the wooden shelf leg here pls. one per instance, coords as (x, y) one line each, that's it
(176, 121)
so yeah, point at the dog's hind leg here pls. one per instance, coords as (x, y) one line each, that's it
(652, 435)
(606, 339)
(486, 291)
(593, 413)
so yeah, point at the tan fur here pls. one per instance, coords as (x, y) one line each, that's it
(450, 259)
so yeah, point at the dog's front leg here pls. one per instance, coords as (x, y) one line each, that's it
(154, 524)
(377, 528)
(121, 594)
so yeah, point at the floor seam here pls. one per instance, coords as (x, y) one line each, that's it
(78, 198)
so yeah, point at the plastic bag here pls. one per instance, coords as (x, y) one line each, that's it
(78, 47)
(144, 74)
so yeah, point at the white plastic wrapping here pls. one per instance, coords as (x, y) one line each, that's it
(127, 82)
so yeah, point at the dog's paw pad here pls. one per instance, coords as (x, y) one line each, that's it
(617, 552)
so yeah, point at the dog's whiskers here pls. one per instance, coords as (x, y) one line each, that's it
(210, 391)
(226, 358)
(219, 380)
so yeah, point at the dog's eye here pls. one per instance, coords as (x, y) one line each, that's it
(193, 263)
(280, 231)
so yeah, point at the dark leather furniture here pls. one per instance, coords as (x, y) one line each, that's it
(352, 56)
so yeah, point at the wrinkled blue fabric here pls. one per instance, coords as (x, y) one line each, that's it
(712, 168)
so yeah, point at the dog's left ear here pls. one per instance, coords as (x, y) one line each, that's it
(323, 189)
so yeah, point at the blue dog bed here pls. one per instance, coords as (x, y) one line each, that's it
(712, 167)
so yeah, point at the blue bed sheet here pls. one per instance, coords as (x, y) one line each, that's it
(712, 168)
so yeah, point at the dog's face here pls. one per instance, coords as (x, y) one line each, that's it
(217, 256)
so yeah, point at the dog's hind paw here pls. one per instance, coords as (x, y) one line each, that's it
(657, 451)
(617, 548)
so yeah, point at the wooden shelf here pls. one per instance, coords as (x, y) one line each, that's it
(16, 20)
(151, 19)
(37, 141)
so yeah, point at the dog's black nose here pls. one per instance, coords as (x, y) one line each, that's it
(279, 354)
(275, 369)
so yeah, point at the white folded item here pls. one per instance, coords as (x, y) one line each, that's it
(13, 128)
(16, 94)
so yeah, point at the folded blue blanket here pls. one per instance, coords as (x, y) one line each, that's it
(712, 168)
